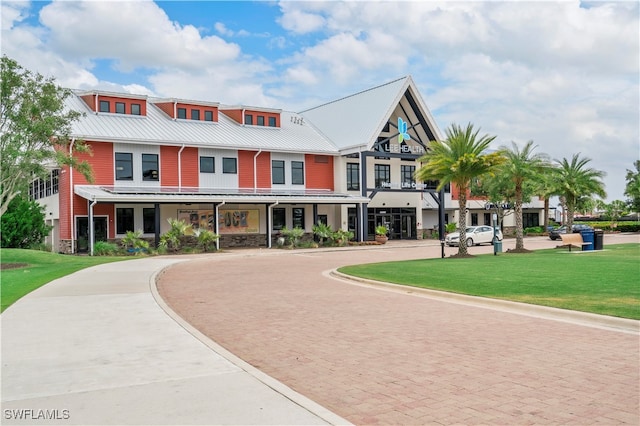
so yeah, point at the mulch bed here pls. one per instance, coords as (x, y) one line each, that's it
(4, 266)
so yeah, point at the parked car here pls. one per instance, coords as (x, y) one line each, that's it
(555, 233)
(475, 235)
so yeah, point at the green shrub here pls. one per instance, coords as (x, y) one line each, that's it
(104, 248)
(133, 242)
(533, 230)
(342, 237)
(170, 240)
(292, 236)
(323, 232)
(206, 239)
(23, 224)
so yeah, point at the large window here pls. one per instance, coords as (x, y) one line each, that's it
(124, 166)
(382, 175)
(297, 173)
(279, 219)
(207, 165)
(229, 165)
(277, 172)
(407, 173)
(105, 106)
(124, 220)
(149, 221)
(298, 217)
(353, 177)
(150, 167)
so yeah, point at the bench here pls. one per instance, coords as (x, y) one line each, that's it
(573, 240)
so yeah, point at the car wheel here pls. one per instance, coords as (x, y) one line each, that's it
(469, 242)
(553, 238)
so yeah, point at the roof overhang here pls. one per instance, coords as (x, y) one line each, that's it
(173, 195)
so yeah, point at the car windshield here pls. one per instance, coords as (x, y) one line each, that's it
(471, 229)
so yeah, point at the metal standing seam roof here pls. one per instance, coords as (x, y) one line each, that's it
(158, 128)
(112, 194)
(357, 120)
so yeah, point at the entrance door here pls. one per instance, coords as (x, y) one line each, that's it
(408, 228)
(82, 232)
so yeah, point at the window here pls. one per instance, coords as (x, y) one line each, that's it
(298, 217)
(105, 106)
(208, 116)
(386, 128)
(182, 113)
(150, 167)
(149, 221)
(487, 219)
(279, 219)
(54, 180)
(297, 173)
(272, 122)
(261, 120)
(248, 119)
(195, 114)
(407, 176)
(277, 172)
(124, 166)
(207, 165)
(229, 165)
(431, 184)
(120, 108)
(382, 147)
(382, 175)
(474, 219)
(353, 177)
(124, 220)
(135, 109)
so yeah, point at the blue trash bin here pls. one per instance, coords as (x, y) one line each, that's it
(588, 236)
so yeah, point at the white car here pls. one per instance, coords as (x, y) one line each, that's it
(475, 235)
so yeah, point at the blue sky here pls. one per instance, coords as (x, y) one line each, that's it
(563, 74)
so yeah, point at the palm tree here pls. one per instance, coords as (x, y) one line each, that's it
(575, 180)
(522, 166)
(458, 159)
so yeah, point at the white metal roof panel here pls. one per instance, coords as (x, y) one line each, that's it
(356, 120)
(158, 128)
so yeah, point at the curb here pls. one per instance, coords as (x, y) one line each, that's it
(622, 325)
(279, 387)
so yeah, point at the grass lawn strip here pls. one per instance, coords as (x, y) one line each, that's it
(39, 268)
(602, 282)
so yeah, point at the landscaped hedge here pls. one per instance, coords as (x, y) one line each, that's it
(618, 227)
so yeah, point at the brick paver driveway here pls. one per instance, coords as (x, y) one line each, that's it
(380, 357)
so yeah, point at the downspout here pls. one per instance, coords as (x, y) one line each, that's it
(243, 111)
(95, 107)
(180, 167)
(255, 171)
(270, 213)
(91, 230)
(217, 227)
(175, 110)
(73, 241)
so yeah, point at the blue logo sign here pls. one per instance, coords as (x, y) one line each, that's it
(402, 128)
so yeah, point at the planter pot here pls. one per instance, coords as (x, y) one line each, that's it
(381, 239)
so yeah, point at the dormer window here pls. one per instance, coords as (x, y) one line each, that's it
(182, 113)
(195, 114)
(208, 116)
(261, 120)
(248, 119)
(120, 108)
(105, 106)
(272, 122)
(135, 109)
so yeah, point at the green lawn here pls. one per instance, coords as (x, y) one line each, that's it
(602, 282)
(42, 268)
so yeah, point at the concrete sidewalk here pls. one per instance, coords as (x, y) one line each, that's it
(96, 348)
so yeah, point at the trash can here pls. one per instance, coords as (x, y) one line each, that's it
(497, 247)
(587, 237)
(598, 239)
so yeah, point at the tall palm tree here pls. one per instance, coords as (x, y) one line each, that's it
(521, 166)
(576, 180)
(458, 159)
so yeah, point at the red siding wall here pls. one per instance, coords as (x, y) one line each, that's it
(245, 169)
(234, 114)
(190, 175)
(318, 171)
(169, 165)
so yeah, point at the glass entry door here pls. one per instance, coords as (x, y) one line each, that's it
(82, 232)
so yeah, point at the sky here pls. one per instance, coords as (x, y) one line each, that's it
(564, 74)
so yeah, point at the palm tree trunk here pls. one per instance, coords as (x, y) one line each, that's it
(546, 213)
(518, 212)
(462, 206)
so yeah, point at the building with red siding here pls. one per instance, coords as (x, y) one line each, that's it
(246, 172)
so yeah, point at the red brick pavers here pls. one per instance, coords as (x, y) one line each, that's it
(379, 357)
